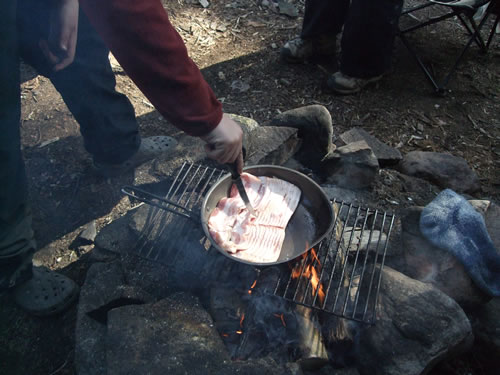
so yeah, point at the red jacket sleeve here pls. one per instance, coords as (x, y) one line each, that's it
(153, 54)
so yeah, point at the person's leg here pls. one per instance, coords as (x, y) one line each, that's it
(38, 291)
(323, 20)
(106, 117)
(368, 37)
(16, 234)
(323, 17)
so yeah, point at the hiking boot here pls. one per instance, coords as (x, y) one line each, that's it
(302, 50)
(344, 84)
(46, 293)
(150, 148)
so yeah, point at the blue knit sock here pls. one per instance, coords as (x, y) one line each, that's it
(451, 223)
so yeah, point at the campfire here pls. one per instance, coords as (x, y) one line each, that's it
(335, 304)
(260, 310)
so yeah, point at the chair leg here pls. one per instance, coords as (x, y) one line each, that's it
(438, 88)
(475, 36)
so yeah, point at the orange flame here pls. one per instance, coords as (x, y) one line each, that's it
(252, 286)
(239, 332)
(311, 273)
(282, 317)
(225, 335)
(315, 256)
(242, 319)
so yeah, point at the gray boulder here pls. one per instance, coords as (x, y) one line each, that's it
(444, 170)
(271, 145)
(314, 123)
(351, 166)
(486, 324)
(417, 327)
(90, 334)
(174, 336)
(385, 154)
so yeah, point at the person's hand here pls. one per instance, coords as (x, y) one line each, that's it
(60, 47)
(224, 143)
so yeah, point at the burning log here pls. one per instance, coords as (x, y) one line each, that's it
(341, 339)
(312, 351)
(269, 325)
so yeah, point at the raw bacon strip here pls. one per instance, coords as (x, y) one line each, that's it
(255, 238)
(264, 244)
(279, 204)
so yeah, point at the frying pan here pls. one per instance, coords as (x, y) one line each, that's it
(311, 222)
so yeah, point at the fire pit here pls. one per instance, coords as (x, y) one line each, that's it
(257, 309)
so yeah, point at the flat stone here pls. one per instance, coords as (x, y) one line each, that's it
(101, 255)
(417, 326)
(351, 166)
(107, 282)
(89, 233)
(272, 145)
(247, 124)
(385, 154)
(173, 336)
(263, 146)
(444, 170)
(177, 258)
(116, 236)
(314, 123)
(90, 334)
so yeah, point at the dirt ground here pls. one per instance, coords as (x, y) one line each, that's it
(236, 43)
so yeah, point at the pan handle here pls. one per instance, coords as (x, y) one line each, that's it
(158, 201)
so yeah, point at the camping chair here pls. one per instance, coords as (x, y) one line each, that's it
(464, 10)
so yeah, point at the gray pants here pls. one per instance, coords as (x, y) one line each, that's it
(106, 118)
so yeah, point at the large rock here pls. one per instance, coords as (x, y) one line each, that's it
(430, 264)
(417, 326)
(351, 166)
(271, 145)
(444, 170)
(264, 145)
(385, 154)
(486, 324)
(173, 336)
(177, 256)
(90, 334)
(116, 236)
(314, 123)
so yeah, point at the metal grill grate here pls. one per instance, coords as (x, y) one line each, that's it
(342, 275)
(348, 262)
(159, 240)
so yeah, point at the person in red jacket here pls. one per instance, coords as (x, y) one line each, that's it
(49, 36)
